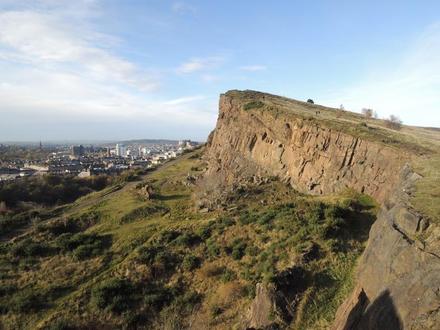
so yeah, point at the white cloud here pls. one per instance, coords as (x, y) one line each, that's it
(44, 39)
(57, 68)
(184, 100)
(409, 90)
(253, 68)
(200, 64)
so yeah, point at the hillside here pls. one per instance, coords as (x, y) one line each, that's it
(117, 259)
(292, 216)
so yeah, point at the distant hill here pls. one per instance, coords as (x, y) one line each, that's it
(150, 141)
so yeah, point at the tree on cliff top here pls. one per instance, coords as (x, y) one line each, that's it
(393, 122)
(368, 113)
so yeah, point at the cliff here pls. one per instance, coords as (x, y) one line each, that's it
(318, 150)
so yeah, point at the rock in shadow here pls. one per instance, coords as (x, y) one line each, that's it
(380, 314)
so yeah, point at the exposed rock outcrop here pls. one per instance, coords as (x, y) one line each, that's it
(274, 303)
(398, 277)
(263, 308)
(146, 191)
(311, 157)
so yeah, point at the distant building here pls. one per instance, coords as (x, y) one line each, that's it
(78, 150)
(121, 150)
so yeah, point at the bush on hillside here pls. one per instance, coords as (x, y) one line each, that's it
(115, 295)
(50, 190)
(143, 212)
(27, 301)
(30, 248)
(190, 262)
(82, 245)
(393, 122)
(368, 113)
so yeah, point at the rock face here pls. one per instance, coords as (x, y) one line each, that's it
(398, 277)
(311, 157)
(274, 304)
(146, 191)
(263, 309)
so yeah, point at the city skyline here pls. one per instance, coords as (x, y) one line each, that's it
(95, 70)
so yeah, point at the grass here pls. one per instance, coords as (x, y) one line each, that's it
(427, 194)
(124, 261)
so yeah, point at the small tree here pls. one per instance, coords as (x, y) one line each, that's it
(368, 113)
(341, 107)
(310, 101)
(393, 122)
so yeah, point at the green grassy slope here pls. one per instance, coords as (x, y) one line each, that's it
(114, 259)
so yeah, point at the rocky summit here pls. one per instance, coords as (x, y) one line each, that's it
(291, 216)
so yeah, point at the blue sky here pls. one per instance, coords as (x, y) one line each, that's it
(107, 69)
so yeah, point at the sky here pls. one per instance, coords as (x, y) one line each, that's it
(127, 69)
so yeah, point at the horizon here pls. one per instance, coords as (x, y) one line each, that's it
(112, 71)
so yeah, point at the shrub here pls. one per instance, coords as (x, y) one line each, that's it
(211, 270)
(204, 233)
(168, 236)
(7, 289)
(246, 218)
(212, 248)
(71, 225)
(238, 248)
(187, 239)
(216, 311)
(83, 245)
(157, 256)
(27, 301)
(165, 259)
(61, 324)
(147, 254)
(249, 291)
(222, 223)
(393, 122)
(310, 101)
(228, 275)
(9, 223)
(143, 212)
(29, 248)
(190, 262)
(253, 105)
(50, 189)
(266, 218)
(185, 303)
(368, 113)
(115, 295)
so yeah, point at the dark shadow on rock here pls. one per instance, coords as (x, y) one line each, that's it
(380, 314)
(290, 284)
